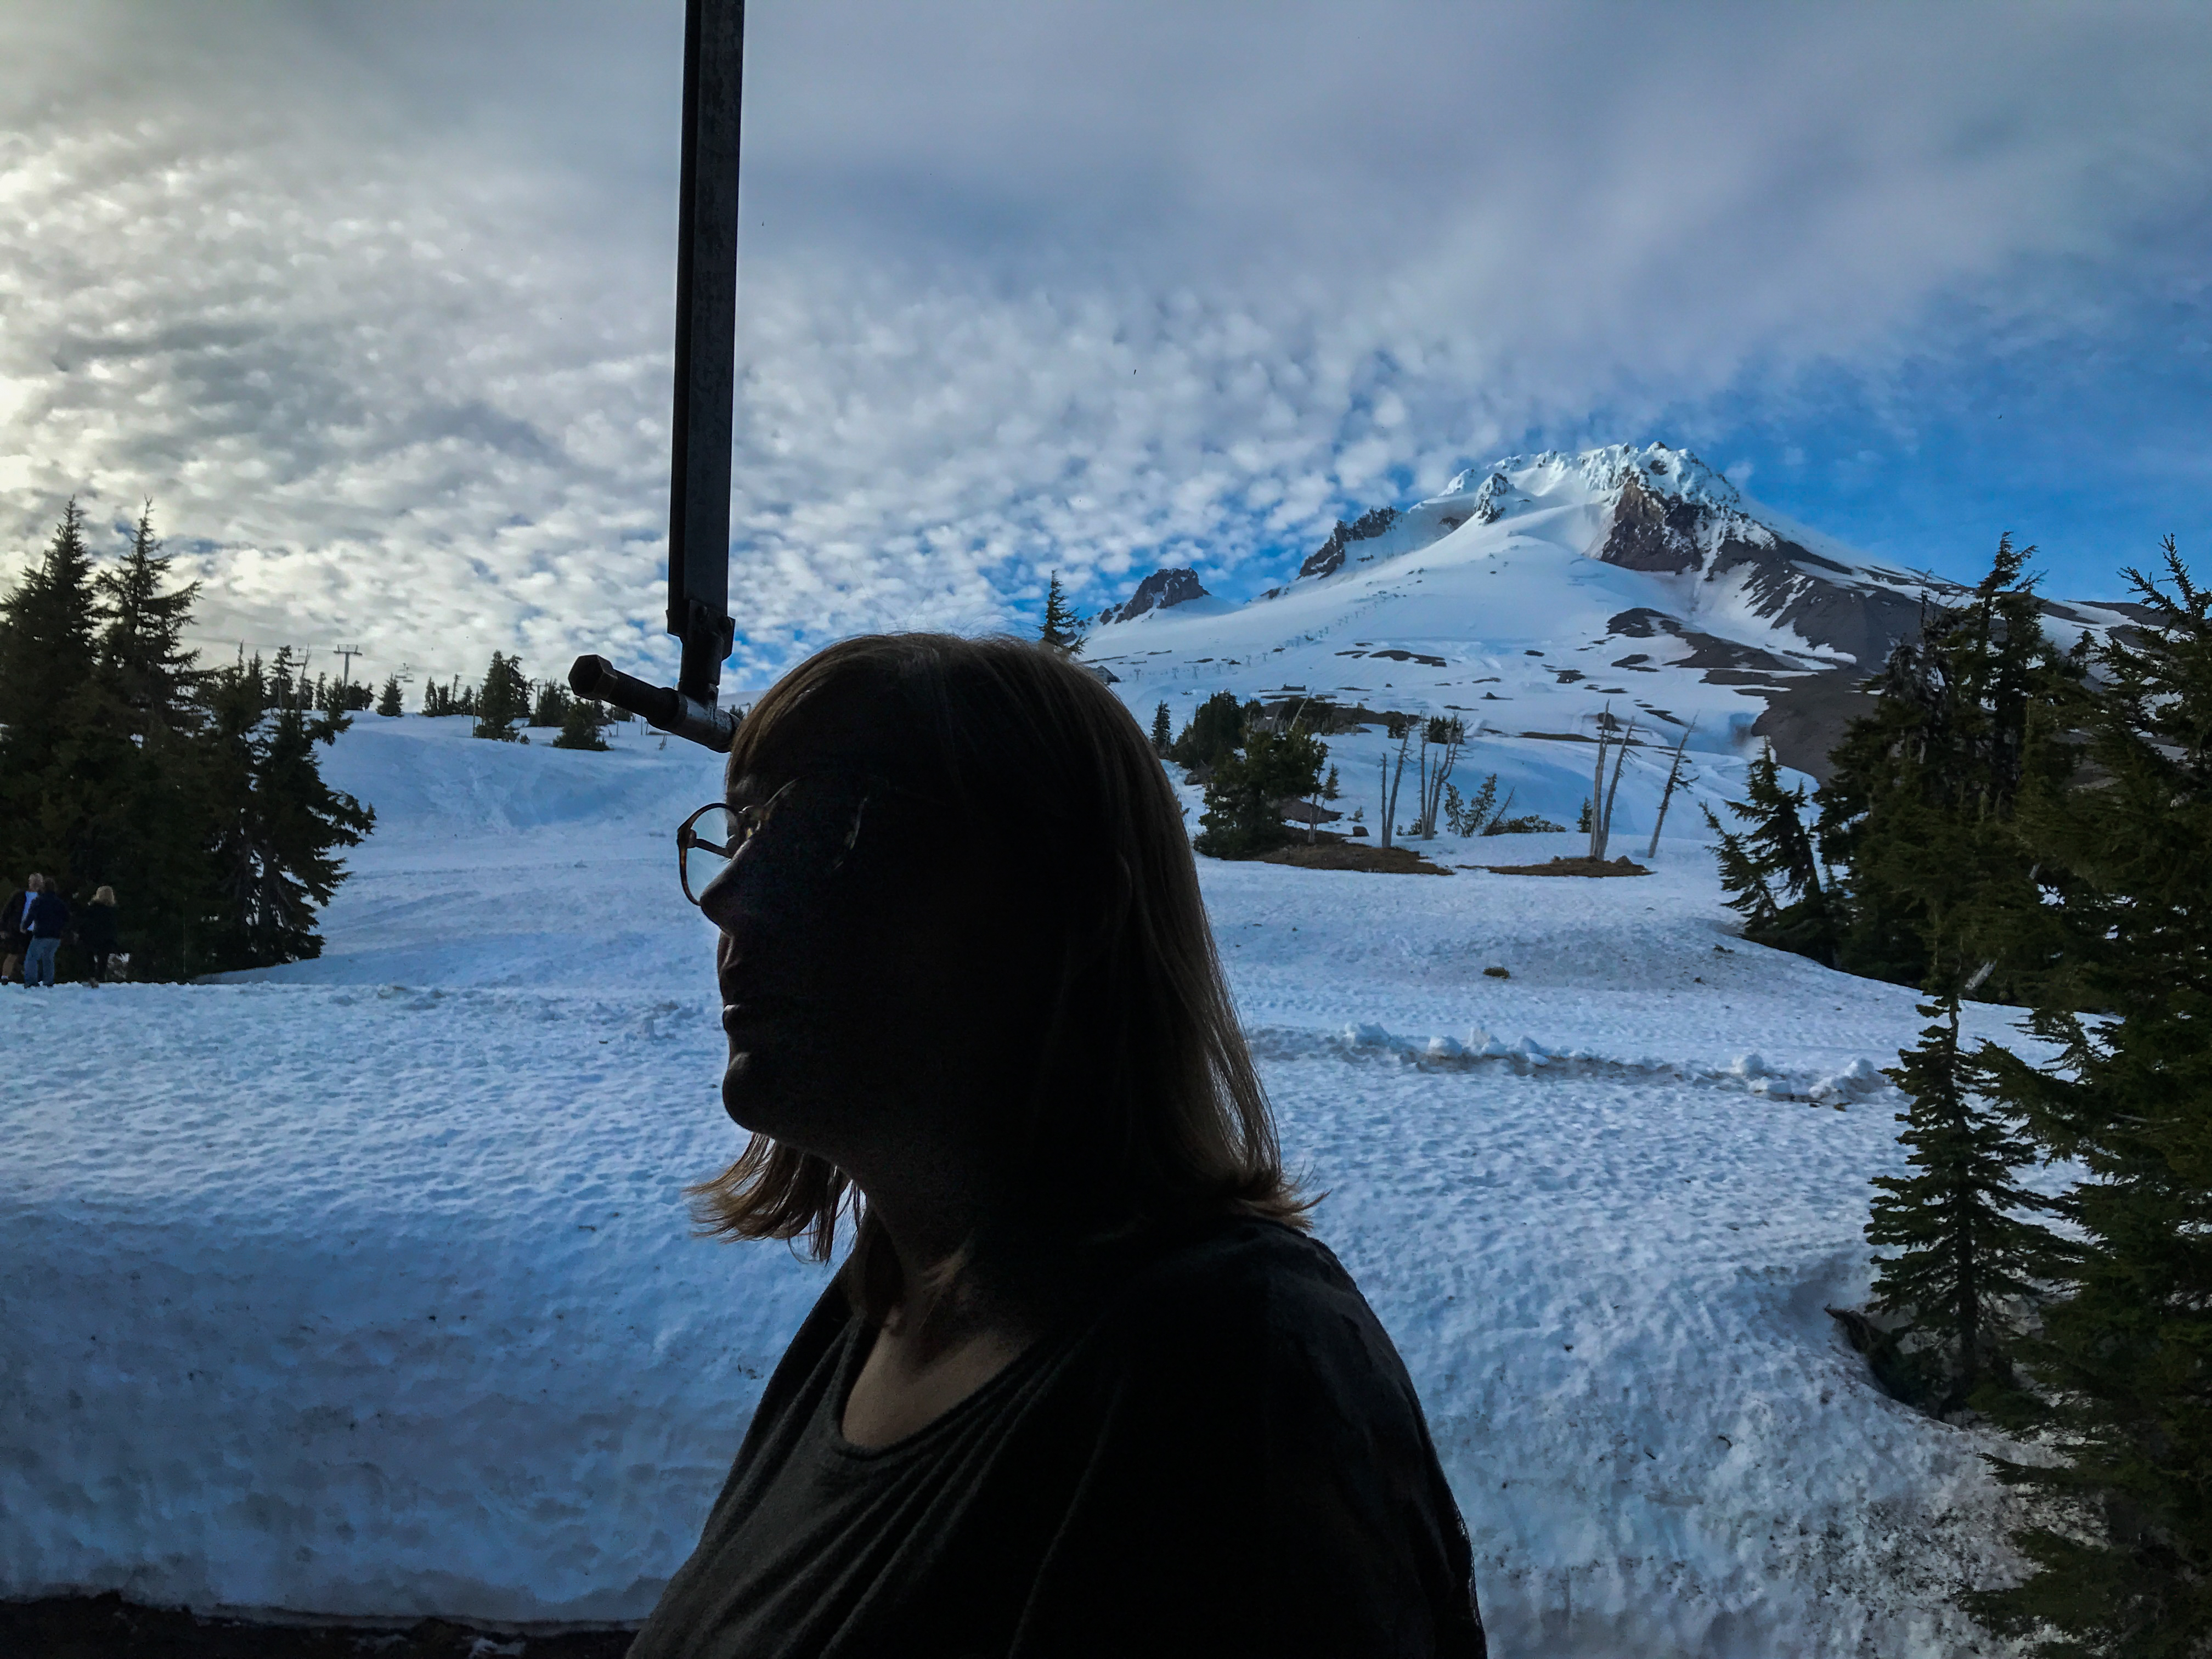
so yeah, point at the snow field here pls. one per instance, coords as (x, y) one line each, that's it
(367, 1288)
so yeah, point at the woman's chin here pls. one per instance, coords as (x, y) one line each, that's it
(755, 1096)
(747, 1096)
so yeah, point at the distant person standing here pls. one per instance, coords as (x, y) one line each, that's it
(95, 931)
(45, 918)
(14, 937)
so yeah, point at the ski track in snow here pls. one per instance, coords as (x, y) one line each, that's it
(366, 1287)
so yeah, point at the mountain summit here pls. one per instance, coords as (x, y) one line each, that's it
(1542, 594)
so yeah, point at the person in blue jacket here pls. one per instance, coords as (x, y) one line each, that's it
(45, 918)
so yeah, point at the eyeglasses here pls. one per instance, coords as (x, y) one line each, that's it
(819, 815)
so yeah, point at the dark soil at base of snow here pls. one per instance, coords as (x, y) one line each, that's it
(1350, 855)
(109, 1627)
(1621, 866)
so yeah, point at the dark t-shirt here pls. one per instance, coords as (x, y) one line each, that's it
(1221, 1455)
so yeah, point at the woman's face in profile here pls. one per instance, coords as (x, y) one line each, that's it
(840, 959)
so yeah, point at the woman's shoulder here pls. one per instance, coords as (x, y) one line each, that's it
(1247, 1292)
(1233, 1257)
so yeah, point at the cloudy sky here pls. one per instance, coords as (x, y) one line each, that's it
(374, 298)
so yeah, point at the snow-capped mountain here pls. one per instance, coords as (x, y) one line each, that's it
(1534, 594)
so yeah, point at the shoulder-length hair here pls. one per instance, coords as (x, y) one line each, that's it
(1138, 1106)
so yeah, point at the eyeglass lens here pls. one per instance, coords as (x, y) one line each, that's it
(814, 823)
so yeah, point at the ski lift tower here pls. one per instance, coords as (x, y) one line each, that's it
(706, 358)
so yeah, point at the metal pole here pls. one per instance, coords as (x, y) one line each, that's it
(706, 376)
(706, 344)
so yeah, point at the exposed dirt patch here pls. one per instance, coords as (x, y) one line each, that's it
(1581, 866)
(1354, 855)
(108, 1627)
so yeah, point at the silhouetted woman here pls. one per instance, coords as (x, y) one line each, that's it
(95, 931)
(1084, 1384)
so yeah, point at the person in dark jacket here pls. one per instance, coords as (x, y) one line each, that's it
(45, 918)
(14, 940)
(1086, 1383)
(95, 931)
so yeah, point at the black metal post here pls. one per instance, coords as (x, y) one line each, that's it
(705, 373)
(706, 344)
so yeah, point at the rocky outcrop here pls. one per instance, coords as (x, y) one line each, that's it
(1651, 532)
(1786, 585)
(1328, 558)
(1157, 591)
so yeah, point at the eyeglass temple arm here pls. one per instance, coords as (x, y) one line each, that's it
(663, 705)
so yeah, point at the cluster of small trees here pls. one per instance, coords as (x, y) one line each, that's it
(196, 794)
(1259, 769)
(1255, 763)
(2029, 825)
(505, 702)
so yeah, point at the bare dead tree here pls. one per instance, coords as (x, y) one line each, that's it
(1613, 792)
(1400, 728)
(1675, 778)
(1448, 734)
(1597, 787)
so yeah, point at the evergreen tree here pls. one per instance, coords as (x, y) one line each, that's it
(1966, 1251)
(2124, 1357)
(1771, 869)
(53, 762)
(503, 700)
(1162, 730)
(1215, 732)
(580, 726)
(1244, 796)
(281, 692)
(143, 828)
(1917, 813)
(391, 701)
(141, 660)
(552, 705)
(281, 825)
(1062, 631)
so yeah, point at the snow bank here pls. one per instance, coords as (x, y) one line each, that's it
(367, 1288)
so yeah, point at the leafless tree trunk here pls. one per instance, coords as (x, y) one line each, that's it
(1673, 779)
(1390, 782)
(1597, 787)
(1619, 759)
(1450, 733)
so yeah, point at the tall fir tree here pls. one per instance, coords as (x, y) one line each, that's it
(1771, 868)
(1917, 813)
(2123, 1359)
(391, 701)
(141, 660)
(1060, 630)
(278, 832)
(146, 829)
(1162, 730)
(1968, 1258)
(503, 699)
(53, 762)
